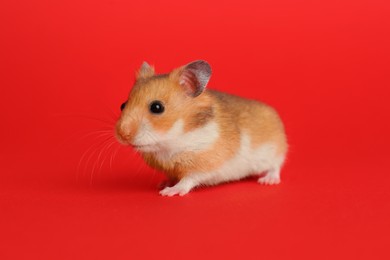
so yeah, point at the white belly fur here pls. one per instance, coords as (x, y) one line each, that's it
(247, 162)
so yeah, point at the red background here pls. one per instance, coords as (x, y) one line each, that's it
(66, 66)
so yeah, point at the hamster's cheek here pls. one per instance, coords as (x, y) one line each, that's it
(200, 139)
(145, 134)
(176, 139)
(164, 140)
(168, 140)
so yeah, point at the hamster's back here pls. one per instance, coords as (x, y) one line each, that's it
(258, 119)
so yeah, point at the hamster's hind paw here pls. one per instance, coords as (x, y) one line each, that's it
(268, 181)
(271, 178)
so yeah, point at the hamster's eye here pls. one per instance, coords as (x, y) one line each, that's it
(123, 105)
(156, 107)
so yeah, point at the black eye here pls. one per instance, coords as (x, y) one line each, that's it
(123, 105)
(156, 107)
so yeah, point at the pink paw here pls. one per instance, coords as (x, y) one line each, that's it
(269, 180)
(175, 190)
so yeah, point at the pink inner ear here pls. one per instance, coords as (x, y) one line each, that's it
(189, 81)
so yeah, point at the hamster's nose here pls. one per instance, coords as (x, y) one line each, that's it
(124, 132)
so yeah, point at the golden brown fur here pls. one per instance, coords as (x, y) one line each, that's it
(232, 114)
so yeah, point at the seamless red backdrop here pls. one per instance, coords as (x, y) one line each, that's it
(66, 66)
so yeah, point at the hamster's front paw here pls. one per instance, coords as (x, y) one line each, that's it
(181, 188)
(175, 190)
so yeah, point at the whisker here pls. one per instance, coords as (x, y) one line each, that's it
(102, 149)
(106, 155)
(84, 136)
(111, 121)
(112, 115)
(113, 157)
(94, 145)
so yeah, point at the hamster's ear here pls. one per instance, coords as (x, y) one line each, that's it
(145, 71)
(194, 77)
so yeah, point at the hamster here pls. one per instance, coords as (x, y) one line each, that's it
(198, 136)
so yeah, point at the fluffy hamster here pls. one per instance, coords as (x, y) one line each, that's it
(199, 136)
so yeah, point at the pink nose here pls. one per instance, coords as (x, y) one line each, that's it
(124, 132)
